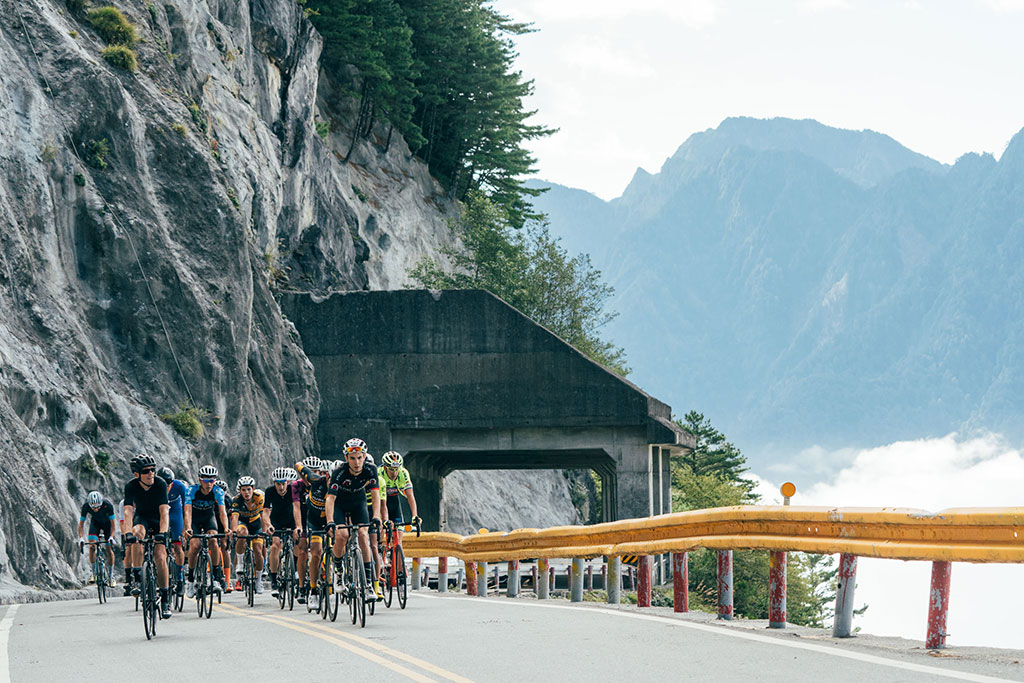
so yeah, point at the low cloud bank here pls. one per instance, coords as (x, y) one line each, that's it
(931, 474)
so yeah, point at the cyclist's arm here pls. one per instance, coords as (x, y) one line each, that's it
(129, 518)
(329, 507)
(307, 476)
(265, 520)
(223, 516)
(412, 502)
(297, 514)
(81, 526)
(165, 518)
(110, 534)
(375, 493)
(187, 516)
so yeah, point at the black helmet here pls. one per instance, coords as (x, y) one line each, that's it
(167, 474)
(142, 461)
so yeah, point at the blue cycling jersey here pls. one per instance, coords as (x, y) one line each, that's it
(176, 496)
(205, 502)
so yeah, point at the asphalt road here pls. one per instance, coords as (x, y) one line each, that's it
(437, 638)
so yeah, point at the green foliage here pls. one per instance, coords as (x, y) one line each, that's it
(121, 57)
(532, 272)
(187, 421)
(113, 27)
(442, 73)
(199, 118)
(79, 180)
(73, 34)
(152, 12)
(178, 128)
(233, 197)
(103, 461)
(712, 454)
(323, 128)
(96, 153)
(360, 194)
(49, 152)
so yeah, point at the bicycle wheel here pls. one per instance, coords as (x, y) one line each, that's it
(248, 576)
(208, 580)
(148, 609)
(385, 571)
(201, 583)
(98, 573)
(360, 569)
(324, 584)
(401, 587)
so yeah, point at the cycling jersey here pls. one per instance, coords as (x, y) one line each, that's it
(100, 518)
(299, 495)
(281, 513)
(351, 490)
(392, 487)
(176, 493)
(248, 512)
(205, 516)
(316, 497)
(146, 502)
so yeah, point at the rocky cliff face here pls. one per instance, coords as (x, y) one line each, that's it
(137, 279)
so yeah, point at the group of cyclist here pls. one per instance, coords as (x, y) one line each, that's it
(314, 498)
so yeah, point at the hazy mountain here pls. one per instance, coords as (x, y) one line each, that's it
(806, 285)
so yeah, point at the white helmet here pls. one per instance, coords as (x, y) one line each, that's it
(207, 472)
(312, 462)
(355, 446)
(335, 464)
(244, 480)
(95, 499)
(280, 474)
(391, 459)
(292, 474)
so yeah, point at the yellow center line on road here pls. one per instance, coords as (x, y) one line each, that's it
(338, 638)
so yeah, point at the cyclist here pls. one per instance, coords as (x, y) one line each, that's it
(374, 535)
(314, 473)
(101, 526)
(176, 492)
(146, 512)
(346, 501)
(226, 549)
(300, 495)
(129, 555)
(280, 511)
(204, 512)
(394, 480)
(246, 520)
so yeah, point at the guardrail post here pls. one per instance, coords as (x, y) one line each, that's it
(442, 575)
(613, 584)
(777, 589)
(576, 580)
(604, 575)
(680, 585)
(470, 578)
(481, 579)
(533, 575)
(553, 584)
(512, 586)
(938, 605)
(458, 581)
(643, 593)
(426, 578)
(847, 580)
(415, 573)
(725, 584)
(543, 576)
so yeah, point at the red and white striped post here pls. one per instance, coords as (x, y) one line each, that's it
(725, 584)
(415, 573)
(604, 575)
(777, 589)
(842, 624)
(680, 583)
(442, 575)
(512, 584)
(551, 577)
(470, 578)
(533, 575)
(643, 593)
(590, 577)
(938, 606)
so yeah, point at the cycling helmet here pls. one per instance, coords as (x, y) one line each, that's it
(221, 484)
(355, 446)
(335, 464)
(142, 461)
(280, 474)
(391, 459)
(246, 481)
(95, 499)
(292, 474)
(369, 460)
(312, 462)
(166, 473)
(207, 472)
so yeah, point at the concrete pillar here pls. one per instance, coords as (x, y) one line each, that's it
(551, 570)
(613, 585)
(442, 575)
(680, 583)
(842, 625)
(725, 584)
(415, 573)
(481, 579)
(938, 606)
(643, 593)
(512, 587)
(576, 582)
(471, 587)
(533, 575)
(543, 577)
(458, 582)
(777, 589)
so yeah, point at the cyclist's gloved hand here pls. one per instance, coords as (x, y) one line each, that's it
(81, 543)
(331, 526)
(129, 538)
(388, 524)
(112, 541)
(417, 521)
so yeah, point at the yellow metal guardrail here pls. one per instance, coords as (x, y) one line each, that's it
(958, 535)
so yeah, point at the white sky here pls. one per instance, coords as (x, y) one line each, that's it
(627, 82)
(933, 475)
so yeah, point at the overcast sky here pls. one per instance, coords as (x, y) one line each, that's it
(627, 81)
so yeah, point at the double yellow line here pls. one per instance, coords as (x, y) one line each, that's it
(356, 645)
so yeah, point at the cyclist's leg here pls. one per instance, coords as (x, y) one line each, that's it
(92, 539)
(258, 551)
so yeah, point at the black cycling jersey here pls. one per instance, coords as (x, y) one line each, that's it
(146, 502)
(351, 489)
(316, 492)
(281, 513)
(101, 519)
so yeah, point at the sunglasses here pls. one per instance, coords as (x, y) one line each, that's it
(208, 481)
(148, 471)
(354, 449)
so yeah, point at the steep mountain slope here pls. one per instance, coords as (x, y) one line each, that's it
(804, 285)
(136, 280)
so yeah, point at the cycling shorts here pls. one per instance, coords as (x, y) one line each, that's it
(251, 527)
(282, 518)
(152, 524)
(204, 523)
(353, 514)
(175, 527)
(95, 532)
(316, 523)
(395, 510)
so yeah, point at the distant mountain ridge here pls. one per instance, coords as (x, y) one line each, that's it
(807, 285)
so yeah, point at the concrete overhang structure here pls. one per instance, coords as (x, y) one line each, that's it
(461, 380)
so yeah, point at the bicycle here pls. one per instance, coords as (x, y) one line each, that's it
(204, 576)
(100, 573)
(175, 581)
(149, 597)
(393, 560)
(286, 569)
(353, 577)
(248, 576)
(325, 584)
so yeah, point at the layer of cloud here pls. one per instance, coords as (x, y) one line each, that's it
(933, 475)
(690, 13)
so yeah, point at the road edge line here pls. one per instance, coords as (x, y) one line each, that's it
(5, 631)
